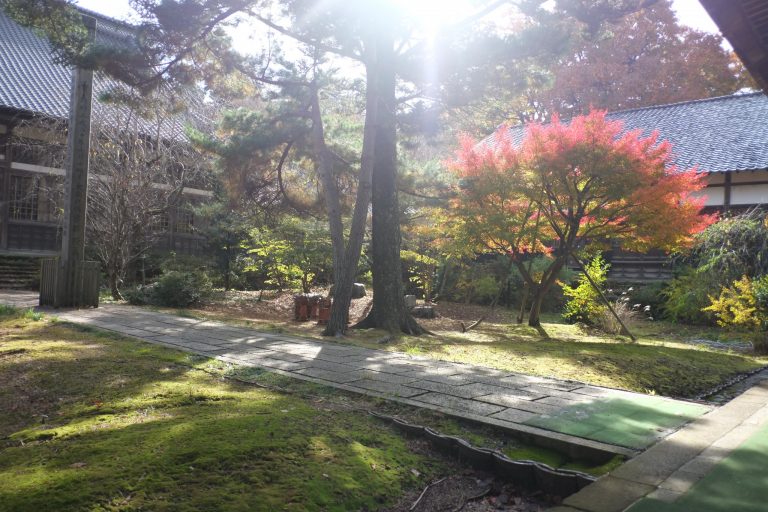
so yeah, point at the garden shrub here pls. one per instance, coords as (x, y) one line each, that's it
(176, 289)
(478, 282)
(733, 247)
(554, 301)
(584, 304)
(722, 253)
(180, 289)
(744, 304)
(138, 295)
(686, 296)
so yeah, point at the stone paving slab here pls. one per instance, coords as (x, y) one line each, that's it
(491, 396)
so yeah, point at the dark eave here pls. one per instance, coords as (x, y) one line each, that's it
(744, 23)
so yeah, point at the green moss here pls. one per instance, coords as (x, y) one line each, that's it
(123, 425)
(660, 362)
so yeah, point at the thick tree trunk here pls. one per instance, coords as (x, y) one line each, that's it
(540, 291)
(388, 312)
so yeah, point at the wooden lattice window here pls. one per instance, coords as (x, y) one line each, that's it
(160, 223)
(185, 221)
(25, 191)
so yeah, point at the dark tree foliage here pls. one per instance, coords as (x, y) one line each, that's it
(185, 42)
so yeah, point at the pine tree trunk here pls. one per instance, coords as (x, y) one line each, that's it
(344, 277)
(388, 312)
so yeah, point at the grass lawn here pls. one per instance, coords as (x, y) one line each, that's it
(660, 362)
(94, 421)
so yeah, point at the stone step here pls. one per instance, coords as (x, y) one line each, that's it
(19, 273)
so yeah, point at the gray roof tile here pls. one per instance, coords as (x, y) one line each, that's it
(727, 133)
(31, 82)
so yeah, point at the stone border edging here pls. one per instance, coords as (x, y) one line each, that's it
(529, 474)
(730, 382)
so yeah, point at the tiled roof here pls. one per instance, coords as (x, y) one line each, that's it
(31, 82)
(727, 133)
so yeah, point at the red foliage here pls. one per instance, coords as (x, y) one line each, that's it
(586, 181)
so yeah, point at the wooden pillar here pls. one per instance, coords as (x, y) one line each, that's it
(727, 191)
(70, 273)
(5, 189)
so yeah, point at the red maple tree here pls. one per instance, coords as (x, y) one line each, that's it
(569, 187)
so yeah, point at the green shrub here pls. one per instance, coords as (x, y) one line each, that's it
(478, 283)
(744, 304)
(176, 289)
(554, 300)
(139, 295)
(584, 303)
(686, 296)
(180, 289)
(725, 251)
(733, 247)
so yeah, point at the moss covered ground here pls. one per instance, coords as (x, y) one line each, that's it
(94, 421)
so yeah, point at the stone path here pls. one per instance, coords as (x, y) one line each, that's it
(706, 466)
(548, 411)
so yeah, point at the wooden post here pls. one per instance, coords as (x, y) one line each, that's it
(5, 190)
(70, 276)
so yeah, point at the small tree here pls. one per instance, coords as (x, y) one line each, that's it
(293, 254)
(138, 175)
(584, 303)
(140, 163)
(570, 186)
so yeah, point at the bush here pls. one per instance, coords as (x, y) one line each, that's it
(584, 304)
(733, 247)
(180, 289)
(139, 295)
(744, 304)
(725, 251)
(554, 301)
(478, 282)
(176, 289)
(686, 296)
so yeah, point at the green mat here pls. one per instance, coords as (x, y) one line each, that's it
(633, 423)
(738, 483)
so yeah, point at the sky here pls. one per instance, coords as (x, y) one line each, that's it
(689, 12)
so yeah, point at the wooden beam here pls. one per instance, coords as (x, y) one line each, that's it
(745, 24)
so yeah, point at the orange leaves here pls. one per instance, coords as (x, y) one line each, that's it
(575, 183)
